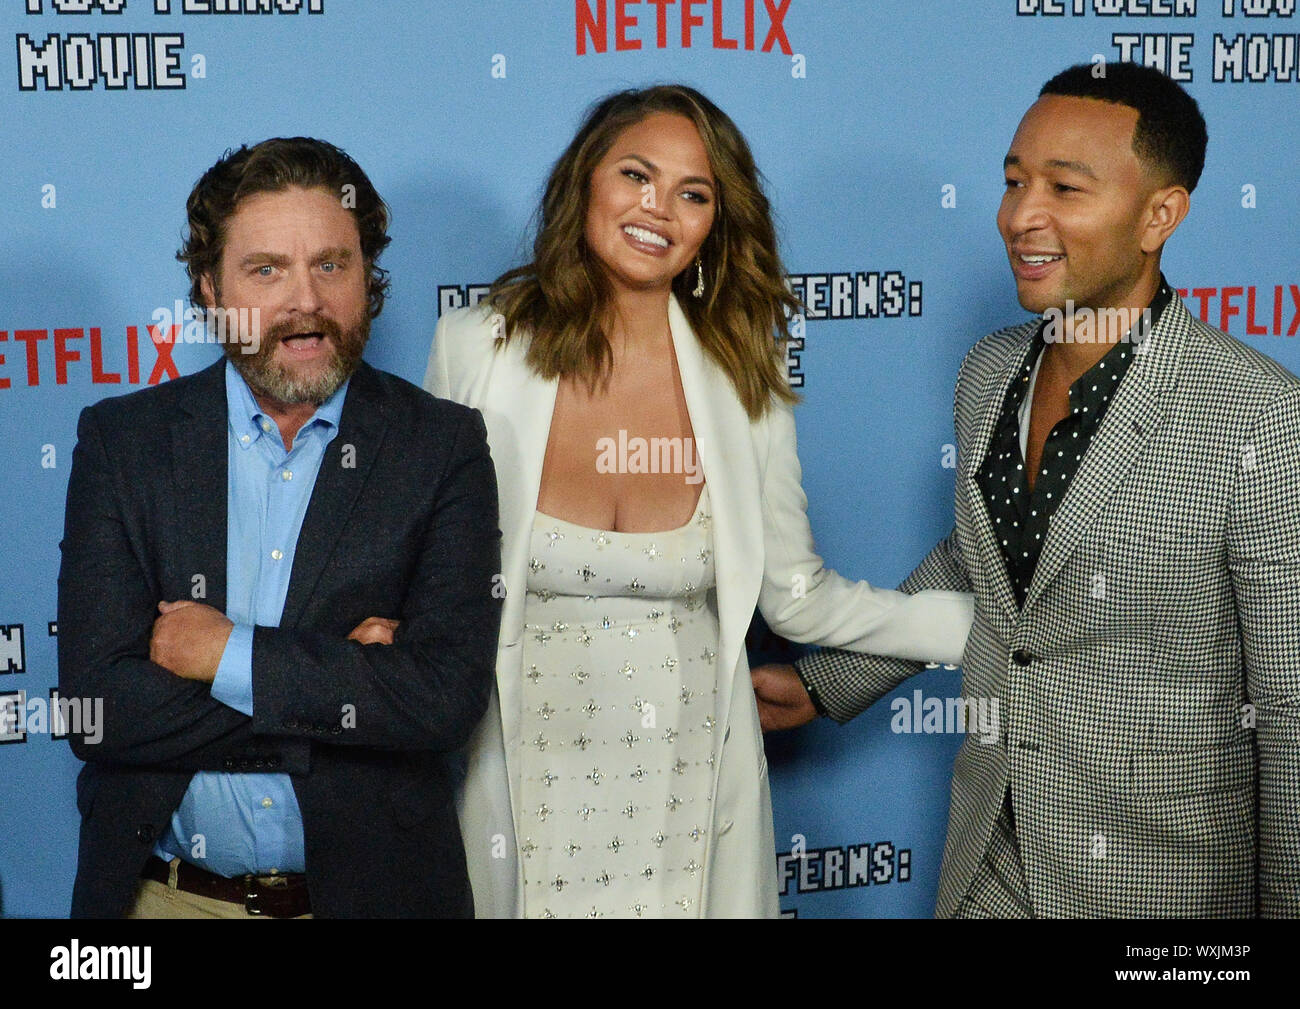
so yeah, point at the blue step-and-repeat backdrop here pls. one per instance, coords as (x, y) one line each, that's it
(880, 126)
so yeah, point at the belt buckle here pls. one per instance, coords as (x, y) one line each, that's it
(252, 896)
(256, 887)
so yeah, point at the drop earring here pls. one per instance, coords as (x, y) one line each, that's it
(699, 278)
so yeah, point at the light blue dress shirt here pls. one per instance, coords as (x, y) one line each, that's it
(233, 824)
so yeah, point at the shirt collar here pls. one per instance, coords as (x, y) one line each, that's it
(1118, 357)
(249, 421)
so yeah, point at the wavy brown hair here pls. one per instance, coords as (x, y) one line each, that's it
(271, 167)
(563, 296)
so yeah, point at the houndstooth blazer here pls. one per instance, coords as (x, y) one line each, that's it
(1149, 689)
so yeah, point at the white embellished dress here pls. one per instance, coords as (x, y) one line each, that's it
(617, 721)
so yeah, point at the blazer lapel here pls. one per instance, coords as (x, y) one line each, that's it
(517, 410)
(362, 425)
(517, 407)
(991, 397)
(722, 442)
(1132, 419)
(199, 468)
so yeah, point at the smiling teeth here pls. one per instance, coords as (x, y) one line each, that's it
(642, 235)
(1038, 260)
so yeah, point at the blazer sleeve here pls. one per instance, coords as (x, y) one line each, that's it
(106, 610)
(1264, 560)
(429, 688)
(843, 684)
(804, 601)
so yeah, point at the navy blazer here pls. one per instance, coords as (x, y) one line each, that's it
(402, 523)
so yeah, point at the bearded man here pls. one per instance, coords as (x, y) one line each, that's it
(236, 543)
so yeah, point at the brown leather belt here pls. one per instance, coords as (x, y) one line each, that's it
(280, 896)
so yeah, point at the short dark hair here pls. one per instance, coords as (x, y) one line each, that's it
(1170, 135)
(271, 167)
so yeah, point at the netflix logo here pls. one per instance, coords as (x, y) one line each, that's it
(1265, 312)
(66, 348)
(723, 24)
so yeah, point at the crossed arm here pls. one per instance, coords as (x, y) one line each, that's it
(153, 670)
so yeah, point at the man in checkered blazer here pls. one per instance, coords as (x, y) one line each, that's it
(1128, 519)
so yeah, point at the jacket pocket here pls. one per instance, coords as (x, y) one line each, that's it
(1192, 772)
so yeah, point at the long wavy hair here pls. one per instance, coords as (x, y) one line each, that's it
(563, 297)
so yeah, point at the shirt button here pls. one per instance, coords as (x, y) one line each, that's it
(266, 425)
(276, 555)
(267, 803)
(286, 474)
(244, 438)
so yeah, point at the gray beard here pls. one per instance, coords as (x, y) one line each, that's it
(267, 377)
(270, 378)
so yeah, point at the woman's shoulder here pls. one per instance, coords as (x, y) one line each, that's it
(473, 326)
(467, 338)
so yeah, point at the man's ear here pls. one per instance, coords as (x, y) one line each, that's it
(207, 291)
(1165, 211)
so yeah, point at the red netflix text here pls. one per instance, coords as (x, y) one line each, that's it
(1264, 311)
(50, 352)
(677, 19)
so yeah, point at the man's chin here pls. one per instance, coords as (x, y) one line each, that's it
(1035, 300)
(295, 386)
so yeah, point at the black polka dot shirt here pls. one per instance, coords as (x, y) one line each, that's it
(1021, 518)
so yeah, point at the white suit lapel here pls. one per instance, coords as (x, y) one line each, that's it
(724, 448)
(517, 410)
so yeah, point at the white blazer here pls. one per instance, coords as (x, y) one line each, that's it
(763, 555)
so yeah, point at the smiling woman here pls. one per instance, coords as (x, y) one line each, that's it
(704, 185)
(632, 381)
